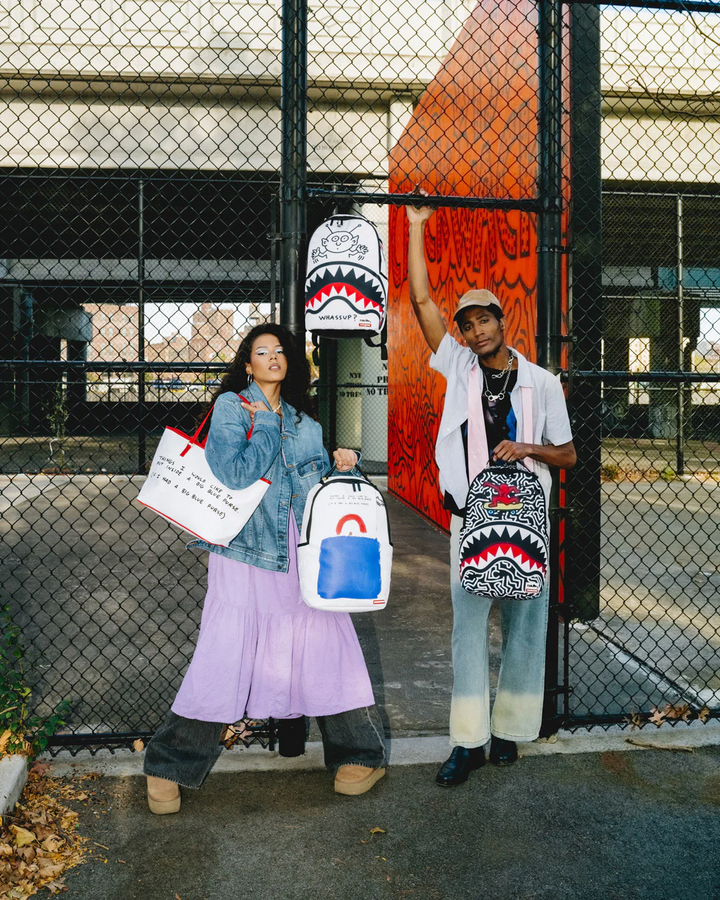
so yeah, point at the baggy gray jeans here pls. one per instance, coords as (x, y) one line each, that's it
(185, 750)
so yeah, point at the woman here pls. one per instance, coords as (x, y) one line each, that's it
(261, 651)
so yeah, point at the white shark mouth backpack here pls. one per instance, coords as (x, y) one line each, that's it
(345, 551)
(346, 285)
(504, 538)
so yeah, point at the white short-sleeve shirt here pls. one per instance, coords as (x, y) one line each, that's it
(551, 424)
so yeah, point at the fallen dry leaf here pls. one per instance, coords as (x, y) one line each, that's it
(138, 745)
(23, 837)
(677, 712)
(4, 738)
(40, 768)
(42, 830)
(50, 869)
(704, 714)
(234, 734)
(52, 843)
(373, 832)
(634, 720)
(657, 717)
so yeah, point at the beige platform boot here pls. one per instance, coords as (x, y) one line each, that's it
(354, 780)
(163, 796)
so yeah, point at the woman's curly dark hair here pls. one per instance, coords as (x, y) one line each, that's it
(295, 389)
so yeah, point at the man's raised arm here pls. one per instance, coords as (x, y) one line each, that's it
(428, 315)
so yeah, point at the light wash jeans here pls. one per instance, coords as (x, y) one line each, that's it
(517, 712)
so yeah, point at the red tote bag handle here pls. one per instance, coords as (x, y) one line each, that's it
(194, 439)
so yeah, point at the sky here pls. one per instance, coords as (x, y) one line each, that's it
(167, 319)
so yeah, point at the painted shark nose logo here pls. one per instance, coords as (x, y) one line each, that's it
(504, 496)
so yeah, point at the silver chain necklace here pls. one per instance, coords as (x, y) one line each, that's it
(507, 371)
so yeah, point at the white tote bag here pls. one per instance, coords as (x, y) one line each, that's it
(181, 488)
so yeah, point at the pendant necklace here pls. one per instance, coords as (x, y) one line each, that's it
(493, 398)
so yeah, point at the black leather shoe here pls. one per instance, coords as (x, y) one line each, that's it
(291, 736)
(502, 752)
(458, 767)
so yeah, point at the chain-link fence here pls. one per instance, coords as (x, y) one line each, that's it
(139, 183)
(643, 554)
(162, 163)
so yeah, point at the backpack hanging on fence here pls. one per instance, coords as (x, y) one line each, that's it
(504, 537)
(345, 552)
(346, 284)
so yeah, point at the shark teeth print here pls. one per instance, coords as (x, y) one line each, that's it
(347, 282)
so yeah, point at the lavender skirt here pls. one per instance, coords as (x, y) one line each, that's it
(262, 652)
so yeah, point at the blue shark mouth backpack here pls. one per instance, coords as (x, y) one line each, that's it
(346, 285)
(504, 537)
(345, 551)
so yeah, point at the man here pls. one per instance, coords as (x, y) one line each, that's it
(525, 418)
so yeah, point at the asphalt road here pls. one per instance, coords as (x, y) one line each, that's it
(600, 826)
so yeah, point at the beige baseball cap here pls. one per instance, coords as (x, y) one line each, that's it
(477, 298)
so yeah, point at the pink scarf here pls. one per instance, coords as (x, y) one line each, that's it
(478, 455)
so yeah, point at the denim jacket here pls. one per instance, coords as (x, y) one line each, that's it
(290, 454)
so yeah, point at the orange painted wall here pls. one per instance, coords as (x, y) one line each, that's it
(473, 133)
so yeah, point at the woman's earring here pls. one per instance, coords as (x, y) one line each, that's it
(250, 378)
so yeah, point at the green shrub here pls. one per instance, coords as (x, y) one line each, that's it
(20, 732)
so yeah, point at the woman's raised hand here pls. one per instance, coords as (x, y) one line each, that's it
(252, 408)
(345, 459)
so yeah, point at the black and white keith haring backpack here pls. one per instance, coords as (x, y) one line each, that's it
(346, 285)
(504, 537)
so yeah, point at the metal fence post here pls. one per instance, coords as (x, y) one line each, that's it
(549, 301)
(586, 312)
(549, 310)
(142, 434)
(680, 436)
(294, 163)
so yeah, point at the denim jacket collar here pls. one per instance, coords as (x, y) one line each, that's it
(289, 412)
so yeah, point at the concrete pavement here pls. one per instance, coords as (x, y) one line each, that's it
(596, 826)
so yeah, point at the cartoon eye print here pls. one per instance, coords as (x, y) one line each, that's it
(340, 241)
